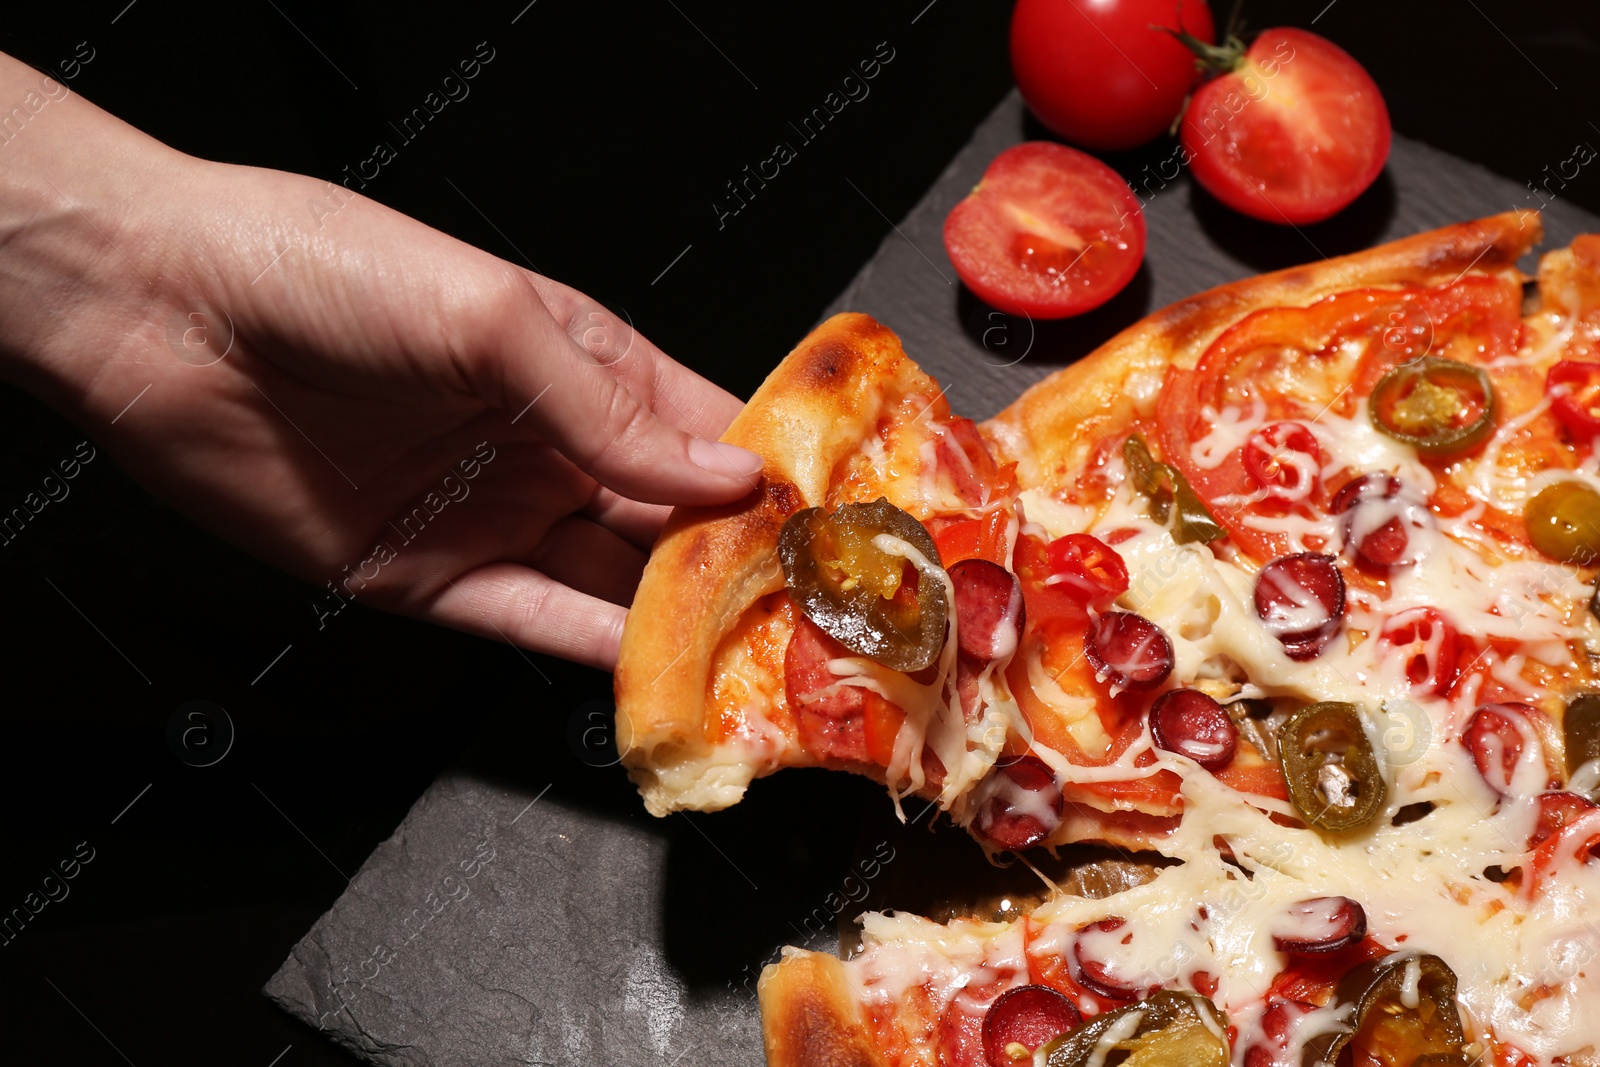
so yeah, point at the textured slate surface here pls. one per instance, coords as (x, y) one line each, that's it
(528, 912)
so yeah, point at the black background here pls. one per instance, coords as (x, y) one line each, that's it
(595, 143)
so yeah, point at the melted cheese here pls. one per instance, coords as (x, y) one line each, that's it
(1528, 964)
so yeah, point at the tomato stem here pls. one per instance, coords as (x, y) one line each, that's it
(1211, 59)
(1221, 58)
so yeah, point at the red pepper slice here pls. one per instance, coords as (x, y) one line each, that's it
(1573, 386)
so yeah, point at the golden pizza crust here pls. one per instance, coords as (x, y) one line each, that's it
(712, 564)
(1049, 430)
(810, 1016)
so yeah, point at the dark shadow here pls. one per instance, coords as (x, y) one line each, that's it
(1266, 246)
(1010, 339)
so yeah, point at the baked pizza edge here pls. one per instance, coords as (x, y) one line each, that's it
(810, 1017)
(711, 564)
(1042, 429)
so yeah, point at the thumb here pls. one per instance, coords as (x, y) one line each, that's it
(612, 434)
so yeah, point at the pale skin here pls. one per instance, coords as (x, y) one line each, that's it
(366, 356)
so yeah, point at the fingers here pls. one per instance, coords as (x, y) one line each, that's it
(678, 394)
(590, 559)
(513, 603)
(638, 524)
(599, 423)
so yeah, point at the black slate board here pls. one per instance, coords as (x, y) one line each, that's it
(527, 911)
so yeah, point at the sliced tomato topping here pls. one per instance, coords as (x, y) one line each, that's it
(1255, 776)
(1297, 362)
(1574, 389)
(881, 722)
(1428, 645)
(1095, 737)
(1285, 460)
(959, 537)
(1046, 601)
(1496, 736)
(1088, 569)
(1577, 841)
(1557, 810)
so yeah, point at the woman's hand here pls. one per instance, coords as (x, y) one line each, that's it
(344, 391)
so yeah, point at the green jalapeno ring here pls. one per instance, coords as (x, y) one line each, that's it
(1166, 487)
(1563, 522)
(1430, 1032)
(1334, 778)
(1172, 1027)
(1419, 402)
(901, 634)
(1580, 732)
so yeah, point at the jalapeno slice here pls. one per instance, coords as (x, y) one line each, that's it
(1404, 1014)
(1170, 1029)
(1332, 772)
(851, 575)
(1580, 731)
(1564, 522)
(1438, 406)
(1170, 494)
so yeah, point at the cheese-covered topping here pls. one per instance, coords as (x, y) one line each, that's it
(1526, 951)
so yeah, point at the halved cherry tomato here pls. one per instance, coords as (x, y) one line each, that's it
(1574, 389)
(1285, 460)
(1496, 735)
(960, 538)
(1557, 810)
(1088, 568)
(1049, 232)
(1577, 839)
(1106, 75)
(1031, 562)
(1429, 644)
(1292, 134)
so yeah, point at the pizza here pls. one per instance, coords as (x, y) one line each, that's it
(1288, 587)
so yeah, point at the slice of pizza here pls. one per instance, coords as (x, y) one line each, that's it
(1351, 515)
(854, 612)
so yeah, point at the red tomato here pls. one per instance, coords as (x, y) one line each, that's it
(1429, 646)
(960, 538)
(1049, 232)
(1574, 388)
(1103, 74)
(1496, 735)
(1088, 568)
(1031, 563)
(1283, 457)
(1292, 134)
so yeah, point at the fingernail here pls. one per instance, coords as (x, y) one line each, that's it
(724, 458)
